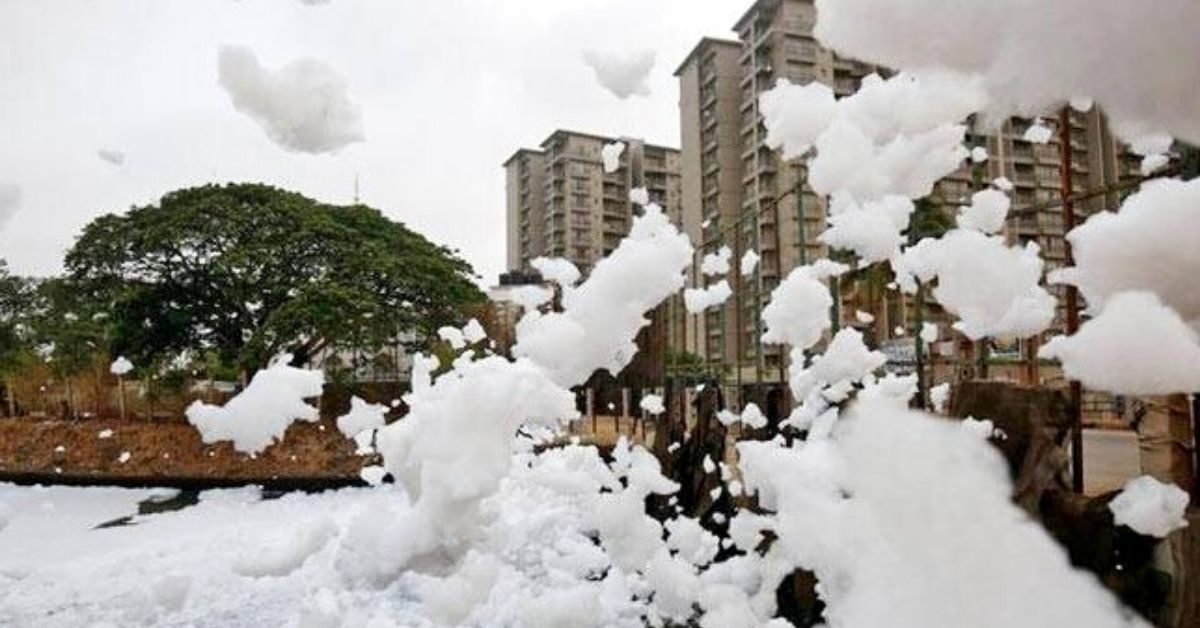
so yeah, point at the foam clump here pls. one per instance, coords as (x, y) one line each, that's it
(260, 414)
(1150, 507)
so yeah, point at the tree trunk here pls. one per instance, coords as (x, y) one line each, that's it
(71, 399)
(121, 395)
(11, 391)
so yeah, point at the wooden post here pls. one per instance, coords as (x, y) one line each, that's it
(1194, 407)
(1072, 301)
(70, 399)
(12, 397)
(624, 408)
(919, 348)
(590, 396)
(121, 395)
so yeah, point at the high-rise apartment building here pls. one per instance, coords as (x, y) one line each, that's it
(561, 202)
(711, 171)
(525, 188)
(762, 202)
(745, 195)
(782, 217)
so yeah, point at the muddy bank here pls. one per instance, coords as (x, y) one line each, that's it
(168, 453)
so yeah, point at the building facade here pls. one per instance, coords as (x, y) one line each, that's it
(561, 202)
(711, 173)
(525, 187)
(758, 201)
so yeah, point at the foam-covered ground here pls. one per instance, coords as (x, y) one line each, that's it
(233, 559)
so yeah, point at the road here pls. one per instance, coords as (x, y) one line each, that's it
(1110, 457)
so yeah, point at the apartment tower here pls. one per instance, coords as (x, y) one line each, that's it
(762, 202)
(711, 172)
(561, 202)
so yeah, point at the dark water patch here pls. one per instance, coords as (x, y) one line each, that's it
(156, 504)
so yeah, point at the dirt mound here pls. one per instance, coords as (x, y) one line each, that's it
(168, 449)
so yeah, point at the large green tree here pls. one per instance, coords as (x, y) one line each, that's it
(16, 301)
(249, 271)
(16, 305)
(70, 329)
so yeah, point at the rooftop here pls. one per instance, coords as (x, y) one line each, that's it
(705, 43)
(521, 152)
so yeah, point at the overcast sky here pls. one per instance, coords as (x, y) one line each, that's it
(447, 88)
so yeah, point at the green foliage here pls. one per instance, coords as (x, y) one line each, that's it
(16, 302)
(70, 331)
(928, 220)
(683, 362)
(247, 271)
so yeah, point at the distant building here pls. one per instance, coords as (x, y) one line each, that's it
(526, 209)
(390, 363)
(742, 193)
(710, 81)
(503, 309)
(561, 203)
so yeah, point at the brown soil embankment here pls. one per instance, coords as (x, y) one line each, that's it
(170, 451)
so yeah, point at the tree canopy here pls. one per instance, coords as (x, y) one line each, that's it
(16, 302)
(249, 271)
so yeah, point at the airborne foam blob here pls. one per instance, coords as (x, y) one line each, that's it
(986, 213)
(120, 366)
(715, 264)
(994, 289)
(1038, 132)
(611, 155)
(10, 201)
(303, 106)
(696, 300)
(623, 75)
(1147, 245)
(601, 317)
(114, 157)
(1136, 346)
(1150, 507)
(872, 230)
(893, 136)
(1034, 56)
(748, 263)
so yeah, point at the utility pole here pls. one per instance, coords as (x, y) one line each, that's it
(737, 313)
(1075, 389)
(919, 327)
(981, 346)
(759, 359)
(800, 215)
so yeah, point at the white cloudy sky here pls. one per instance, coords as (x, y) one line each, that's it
(448, 89)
